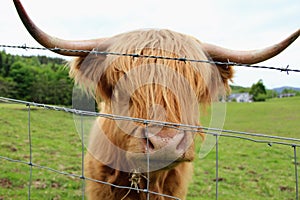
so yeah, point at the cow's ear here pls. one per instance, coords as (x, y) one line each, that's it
(88, 71)
(226, 73)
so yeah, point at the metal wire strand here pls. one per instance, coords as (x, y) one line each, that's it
(181, 59)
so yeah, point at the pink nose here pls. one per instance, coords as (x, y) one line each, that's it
(167, 140)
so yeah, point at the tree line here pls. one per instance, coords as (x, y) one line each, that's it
(45, 80)
(35, 78)
(260, 93)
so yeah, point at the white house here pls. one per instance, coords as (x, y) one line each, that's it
(286, 95)
(240, 97)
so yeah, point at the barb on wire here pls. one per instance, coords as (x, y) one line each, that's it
(181, 59)
(286, 69)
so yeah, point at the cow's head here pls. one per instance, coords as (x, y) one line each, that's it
(150, 88)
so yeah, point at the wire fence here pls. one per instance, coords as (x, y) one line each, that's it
(286, 69)
(253, 137)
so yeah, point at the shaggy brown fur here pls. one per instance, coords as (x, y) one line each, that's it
(151, 89)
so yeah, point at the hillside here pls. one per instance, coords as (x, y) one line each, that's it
(280, 89)
(239, 89)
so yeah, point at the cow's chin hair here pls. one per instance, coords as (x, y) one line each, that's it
(159, 160)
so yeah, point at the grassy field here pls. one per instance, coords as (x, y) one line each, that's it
(247, 170)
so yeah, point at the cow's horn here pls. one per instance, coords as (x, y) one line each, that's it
(52, 42)
(248, 57)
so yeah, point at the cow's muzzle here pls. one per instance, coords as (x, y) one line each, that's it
(160, 148)
(167, 144)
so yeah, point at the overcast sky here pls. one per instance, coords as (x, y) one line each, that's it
(236, 24)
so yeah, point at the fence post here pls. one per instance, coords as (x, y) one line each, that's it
(82, 158)
(217, 166)
(296, 172)
(30, 152)
(148, 158)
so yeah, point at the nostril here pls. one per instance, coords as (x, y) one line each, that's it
(148, 144)
(182, 144)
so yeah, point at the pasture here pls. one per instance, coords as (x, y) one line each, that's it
(247, 170)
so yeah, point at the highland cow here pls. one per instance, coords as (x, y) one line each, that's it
(168, 90)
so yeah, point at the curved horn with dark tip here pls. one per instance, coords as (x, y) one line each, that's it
(248, 57)
(52, 42)
(215, 52)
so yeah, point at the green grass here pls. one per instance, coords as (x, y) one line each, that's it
(55, 144)
(252, 170)
(247, 170)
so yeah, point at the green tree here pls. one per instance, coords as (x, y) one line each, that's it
(7, 87)
(288, 90)
(23, 76)
(35, 78)
(6, 67)
(258, 91)
(1, 63)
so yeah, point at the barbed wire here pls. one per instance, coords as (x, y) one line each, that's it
(286, 69)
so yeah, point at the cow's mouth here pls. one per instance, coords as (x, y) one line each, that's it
(155, 162)
(162, 149)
